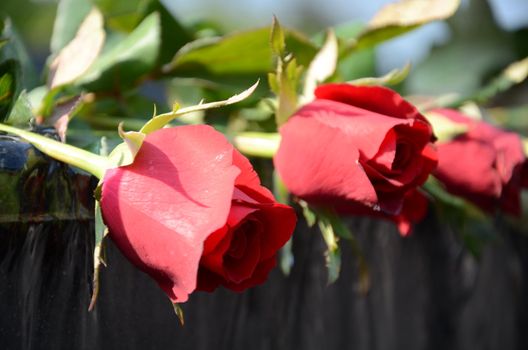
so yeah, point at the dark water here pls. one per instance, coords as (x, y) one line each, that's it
(427, 291)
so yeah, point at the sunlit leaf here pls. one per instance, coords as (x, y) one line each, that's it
(322, 66)
(127, 61)
(400, 17)
(123, 15)
(70, 14)
(79, 54)
(21, 113)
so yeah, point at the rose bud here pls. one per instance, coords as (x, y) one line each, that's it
(484, 164)
(188, 186)
(359, 149)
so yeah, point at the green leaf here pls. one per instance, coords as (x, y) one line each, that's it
(8, 86)
(22, 113)
(322, 67)
(471, 224)
(70, 14)
(402, 16)
(14, 50)
(332, 227)
(510, 117)
(79, 54)
(239, 54)
(277, 38)
(173, 34)
(123, 65)
(279, 189)
(352, 63)
(122, 15)
(333, 253)
(394, 77)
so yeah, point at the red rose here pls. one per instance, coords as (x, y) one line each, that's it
(188, 186)
(483, 165)
(356, 148)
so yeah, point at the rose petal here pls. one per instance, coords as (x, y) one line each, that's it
(207, 280)
(414, 210)
(161, 208)
(376, 99)
(240, 269)
(333, 173)
(367, 129)
(462, 174)
(259, 276)
(248, 179)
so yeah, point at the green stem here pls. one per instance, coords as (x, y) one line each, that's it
(257, 144)
(92, 163)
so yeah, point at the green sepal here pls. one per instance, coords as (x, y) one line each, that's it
(179, 312)
(161, 120)
(101, 232)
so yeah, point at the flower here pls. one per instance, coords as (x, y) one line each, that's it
(359, 149)
(483, 164)
(186, 186)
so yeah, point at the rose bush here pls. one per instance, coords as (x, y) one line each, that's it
(483, 165)
(359, 149)
(188, 186)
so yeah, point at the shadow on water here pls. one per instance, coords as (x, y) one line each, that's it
(427, 291)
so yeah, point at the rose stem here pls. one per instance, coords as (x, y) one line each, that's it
(257, 144)
(90, 162)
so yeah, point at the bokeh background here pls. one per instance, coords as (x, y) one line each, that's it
(482, 38)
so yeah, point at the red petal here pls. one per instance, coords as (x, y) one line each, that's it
(248, 179)
(377, 99)
(333, 171)
(414, 210)
(161, 208)
(368, 129)
(260, 275)
(242, 268)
